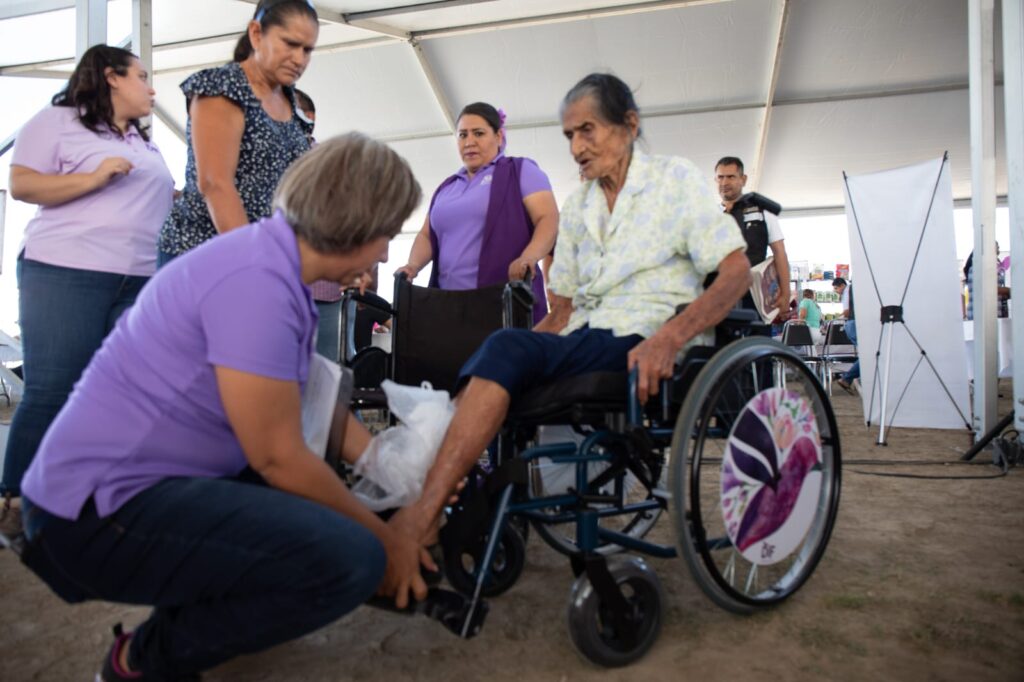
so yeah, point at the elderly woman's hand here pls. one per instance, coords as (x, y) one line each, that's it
(518, 268)
(654, 359)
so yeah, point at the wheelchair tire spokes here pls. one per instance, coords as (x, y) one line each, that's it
(755, 483)
(611, 485)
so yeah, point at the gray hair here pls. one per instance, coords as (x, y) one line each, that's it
(346, 192)
(612, 97)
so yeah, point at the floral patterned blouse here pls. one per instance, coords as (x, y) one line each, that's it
(268, 148)
(627, 270)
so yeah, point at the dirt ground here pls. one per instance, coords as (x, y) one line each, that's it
(923, 580)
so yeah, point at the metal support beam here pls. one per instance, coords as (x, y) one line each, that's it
(7, 144)
(142, 37)
(435, 85)
(1013, 97)
(169, 121)
(39, 73)
(3, 215)
(409, 9)
(980, 22)
(23, 8)
(90, 25)
(560, 17)
(379, 28)
(773, 81)
(356, 20)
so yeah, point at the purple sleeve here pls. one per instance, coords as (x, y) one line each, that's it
(252, 323)
(532, 179)
(36, 146)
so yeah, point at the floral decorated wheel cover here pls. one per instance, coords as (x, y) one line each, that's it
(771, 475)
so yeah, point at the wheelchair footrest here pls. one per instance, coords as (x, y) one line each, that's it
(451, 609)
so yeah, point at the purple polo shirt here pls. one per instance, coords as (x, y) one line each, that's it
(148, 407)
(113, 229)
(458, 218)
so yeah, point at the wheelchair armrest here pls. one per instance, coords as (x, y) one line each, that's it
(742, 315)
(635, 411)
(370, 300)
(734, 315)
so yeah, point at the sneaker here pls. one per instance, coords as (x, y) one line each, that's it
(845, 385)
(112, 670)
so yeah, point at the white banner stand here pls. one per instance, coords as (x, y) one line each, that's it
(901, 238)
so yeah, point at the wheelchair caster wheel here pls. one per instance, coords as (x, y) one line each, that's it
(460, 567)
(608, 639)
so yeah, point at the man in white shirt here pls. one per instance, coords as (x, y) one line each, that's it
(760, 227)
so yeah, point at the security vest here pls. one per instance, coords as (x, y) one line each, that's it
(748, 211)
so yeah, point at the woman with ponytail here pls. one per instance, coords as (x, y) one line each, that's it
(103, 190)
(492, 221)
(243, 127)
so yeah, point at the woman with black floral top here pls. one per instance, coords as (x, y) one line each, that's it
(243, 127)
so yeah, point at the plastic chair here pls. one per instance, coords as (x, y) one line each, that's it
(837, 348)
(797, 335)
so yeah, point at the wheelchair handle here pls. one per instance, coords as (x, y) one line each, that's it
(369, 299)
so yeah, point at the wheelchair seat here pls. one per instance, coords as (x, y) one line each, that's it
(583, 399)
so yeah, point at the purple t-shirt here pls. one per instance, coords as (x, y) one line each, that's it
(113, 229)
(458, 218)
(148, 406)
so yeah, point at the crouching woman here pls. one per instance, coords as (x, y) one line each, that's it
(176, 476)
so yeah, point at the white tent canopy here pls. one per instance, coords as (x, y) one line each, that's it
(800, 89)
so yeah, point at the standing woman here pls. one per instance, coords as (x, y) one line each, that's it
(103, 190)
(493, 220)
(243, 130)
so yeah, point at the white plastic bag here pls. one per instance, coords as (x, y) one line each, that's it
(395, 464)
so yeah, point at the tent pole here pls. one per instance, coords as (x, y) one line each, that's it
(885, 384)
(90, 25)
(1013, 91)
(980, 15)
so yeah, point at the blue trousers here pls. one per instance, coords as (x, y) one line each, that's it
(519, 359)
(64, 313)
(230, 567)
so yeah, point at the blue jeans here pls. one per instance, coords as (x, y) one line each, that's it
(854, 371)
(64, 313)
(327, 335)
(230, 567)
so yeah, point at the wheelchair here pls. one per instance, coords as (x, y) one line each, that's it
(740, 450)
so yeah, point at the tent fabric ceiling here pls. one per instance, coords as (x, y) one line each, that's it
(845, 86)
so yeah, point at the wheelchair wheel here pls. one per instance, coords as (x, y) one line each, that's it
(592, 627)
(607, 478)
(754, 475)
(509, 558)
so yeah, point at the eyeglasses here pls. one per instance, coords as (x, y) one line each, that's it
(265, 7)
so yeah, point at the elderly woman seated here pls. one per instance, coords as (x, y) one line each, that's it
(176, 476)
(635, 241)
